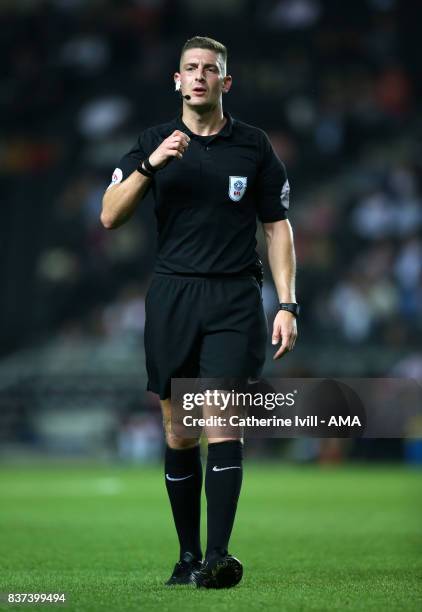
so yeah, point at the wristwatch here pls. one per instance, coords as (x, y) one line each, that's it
(290, 307)
(146, 168)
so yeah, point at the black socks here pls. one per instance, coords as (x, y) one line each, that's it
(222, 486)
(183, 474)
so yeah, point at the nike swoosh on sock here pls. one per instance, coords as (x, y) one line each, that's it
(175, 479)
(231, 467)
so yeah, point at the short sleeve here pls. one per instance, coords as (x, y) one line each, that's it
(128, 163)
(272, 185)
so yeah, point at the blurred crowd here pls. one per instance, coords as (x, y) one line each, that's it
(336, 86)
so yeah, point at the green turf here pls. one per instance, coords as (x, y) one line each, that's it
(310, 539)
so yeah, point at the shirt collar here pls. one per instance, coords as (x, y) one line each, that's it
(225, 131)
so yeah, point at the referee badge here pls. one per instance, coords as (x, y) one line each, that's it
(285, 194)
(116, 178)
(237, 187)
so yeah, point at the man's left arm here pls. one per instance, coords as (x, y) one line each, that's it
(282, 260)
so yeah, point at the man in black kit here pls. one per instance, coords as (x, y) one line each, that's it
(211, 177)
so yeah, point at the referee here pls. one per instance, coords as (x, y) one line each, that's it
(211, 177)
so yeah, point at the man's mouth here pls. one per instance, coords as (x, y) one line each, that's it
(199, 91)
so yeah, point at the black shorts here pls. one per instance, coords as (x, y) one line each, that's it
(203, 327)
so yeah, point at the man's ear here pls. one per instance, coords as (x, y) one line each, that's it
(177, 81)
(227, 83)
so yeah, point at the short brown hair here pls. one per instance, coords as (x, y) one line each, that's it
(203, 42)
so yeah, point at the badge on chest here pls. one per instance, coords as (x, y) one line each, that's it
(237, 187)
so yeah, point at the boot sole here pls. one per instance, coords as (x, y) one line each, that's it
(225, 574)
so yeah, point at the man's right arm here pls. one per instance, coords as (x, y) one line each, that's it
(120, 200)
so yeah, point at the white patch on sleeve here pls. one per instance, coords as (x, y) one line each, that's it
(116, 178)
(237, 187)
(285, 195)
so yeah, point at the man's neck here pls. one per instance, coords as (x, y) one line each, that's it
(204, 124)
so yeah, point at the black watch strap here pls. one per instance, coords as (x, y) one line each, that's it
(148, 166)
(141, 170)
(290, 307)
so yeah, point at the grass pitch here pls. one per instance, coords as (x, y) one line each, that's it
(310, 539)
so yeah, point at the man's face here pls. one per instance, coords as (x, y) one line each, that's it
(202, 75)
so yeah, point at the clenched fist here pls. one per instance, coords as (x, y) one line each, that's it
(173, 146)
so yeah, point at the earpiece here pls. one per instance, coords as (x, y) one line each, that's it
(178, 87)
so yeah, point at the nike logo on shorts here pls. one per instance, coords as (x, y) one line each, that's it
(176, 479)
(231, 467)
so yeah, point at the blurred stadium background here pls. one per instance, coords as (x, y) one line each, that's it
(337, 87)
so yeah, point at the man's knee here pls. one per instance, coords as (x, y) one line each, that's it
(180, 443)
(172, 440)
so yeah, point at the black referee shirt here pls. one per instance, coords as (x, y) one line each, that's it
(207, 203)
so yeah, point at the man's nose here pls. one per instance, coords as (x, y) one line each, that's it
(200, 74)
